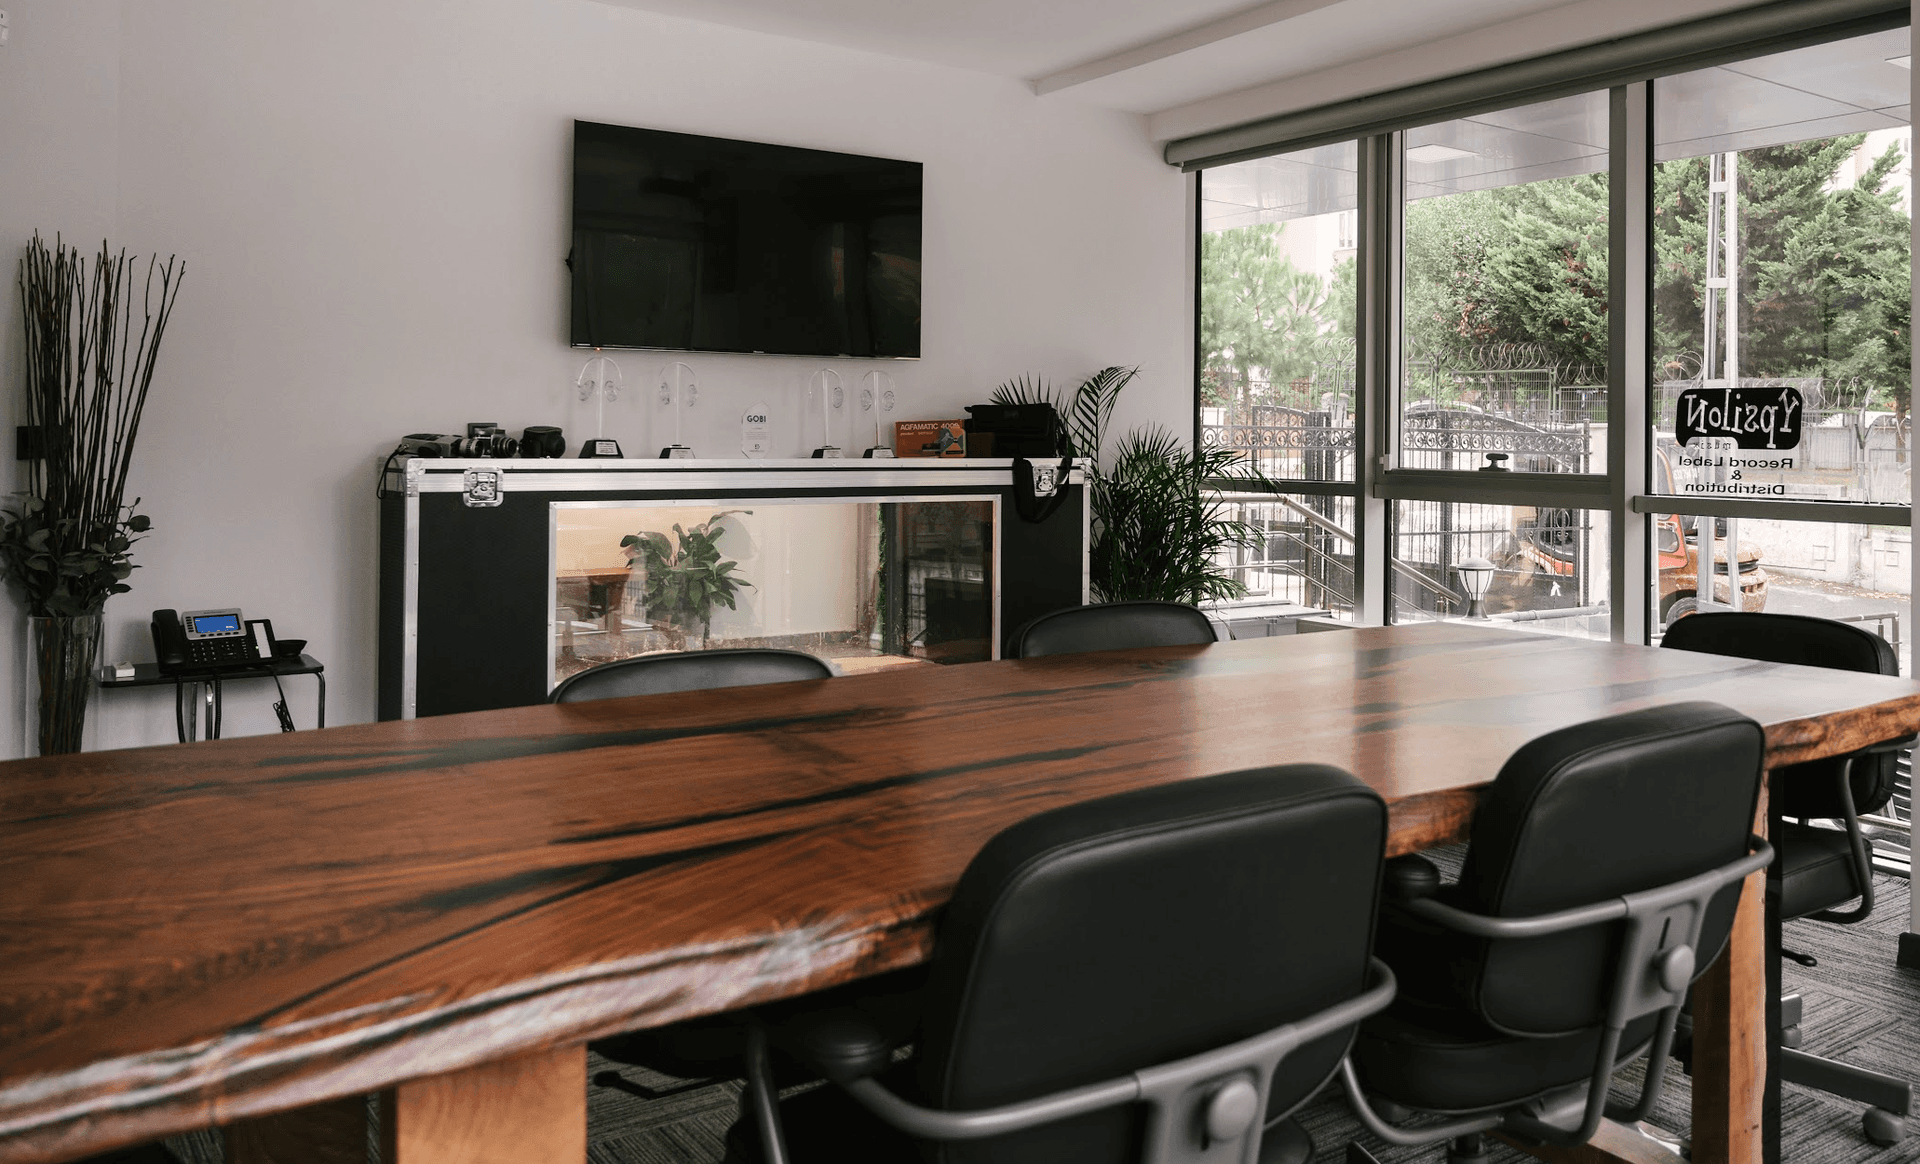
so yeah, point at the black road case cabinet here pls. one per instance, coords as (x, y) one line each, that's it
(468, 559)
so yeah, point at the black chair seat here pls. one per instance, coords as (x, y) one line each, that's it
(690, 671)
(1112, 936)
(1112, 626)
(1443, 1059)
(1514, 983)
(1818, 871)
(1815, 868)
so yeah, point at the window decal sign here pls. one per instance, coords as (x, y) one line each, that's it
(1753, 418)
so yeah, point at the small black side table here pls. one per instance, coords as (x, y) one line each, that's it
(195, 689)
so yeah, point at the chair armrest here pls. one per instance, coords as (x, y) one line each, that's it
(1617, 909)
(1175, 1087)
(843, 1044)
(1885, 746)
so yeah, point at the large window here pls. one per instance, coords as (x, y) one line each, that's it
(1278, 311)
(1504, 341)
(1781, 347)
(1419, 337)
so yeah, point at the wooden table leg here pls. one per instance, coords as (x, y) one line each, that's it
(1614, 1143)
(1729, 1040)
(527, 1110)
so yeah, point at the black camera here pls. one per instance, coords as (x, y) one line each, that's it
(486, 439)
(426, 444)
(483, 439)
(542, 440)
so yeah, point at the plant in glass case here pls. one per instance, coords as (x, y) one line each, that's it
(685, 577)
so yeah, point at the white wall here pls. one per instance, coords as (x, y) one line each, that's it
(59, 151)
(371, 200)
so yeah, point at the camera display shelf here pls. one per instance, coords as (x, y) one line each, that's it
(197, 692)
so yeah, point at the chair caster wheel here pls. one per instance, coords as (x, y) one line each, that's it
(1286, 1143)
(1790, 1037)
(1882, 1126)
(1468, 1150)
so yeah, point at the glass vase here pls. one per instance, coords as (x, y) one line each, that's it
(64, 651)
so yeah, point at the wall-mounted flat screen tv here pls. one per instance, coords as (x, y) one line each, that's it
(710, 245)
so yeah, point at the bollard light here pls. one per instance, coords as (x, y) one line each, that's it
(1476, 578)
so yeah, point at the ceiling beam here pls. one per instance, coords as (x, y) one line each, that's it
(1212, 32)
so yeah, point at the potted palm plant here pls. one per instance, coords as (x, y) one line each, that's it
(65, 540)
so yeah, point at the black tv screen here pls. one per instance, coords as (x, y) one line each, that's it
(705, 244)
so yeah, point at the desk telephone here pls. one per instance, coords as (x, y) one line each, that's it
(210, 640)
(207, 642)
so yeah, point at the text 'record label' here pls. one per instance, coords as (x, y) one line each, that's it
(1754, 418)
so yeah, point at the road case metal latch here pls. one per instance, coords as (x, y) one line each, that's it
(481, 488)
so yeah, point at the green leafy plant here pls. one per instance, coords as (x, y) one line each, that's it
(685, 576)
(1159, 529)
(67, 566)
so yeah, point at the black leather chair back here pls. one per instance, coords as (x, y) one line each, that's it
(1108, 936)
(1811, 789)
(1112, 626)
(1587, 813)
(689, 671)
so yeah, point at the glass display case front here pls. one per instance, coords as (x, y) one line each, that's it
(864, 583)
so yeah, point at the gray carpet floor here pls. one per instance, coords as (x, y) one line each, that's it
(1860, 1008)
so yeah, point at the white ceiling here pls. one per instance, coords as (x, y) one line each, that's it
(1010, 38)
(1845, 86)
(1137, 55)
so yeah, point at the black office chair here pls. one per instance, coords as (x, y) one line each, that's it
(1111, 626)
(707, 1048)
(1819, 869)
(689, 671)
(1600, 879)
(1134, 979)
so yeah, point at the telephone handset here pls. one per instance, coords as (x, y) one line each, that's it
(204, 640)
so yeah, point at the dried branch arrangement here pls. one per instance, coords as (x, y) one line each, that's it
(64, 541)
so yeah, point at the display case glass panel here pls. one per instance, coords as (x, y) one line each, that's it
(865, 583)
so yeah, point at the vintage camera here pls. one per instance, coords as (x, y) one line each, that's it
(426, 444)
(486, 439)
(483, 439)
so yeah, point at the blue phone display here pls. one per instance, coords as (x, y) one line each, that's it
(217, 624)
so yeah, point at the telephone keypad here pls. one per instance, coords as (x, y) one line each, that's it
(218, 651)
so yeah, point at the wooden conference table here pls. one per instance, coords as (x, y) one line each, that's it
(258, 932)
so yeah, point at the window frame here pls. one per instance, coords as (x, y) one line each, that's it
(1625, 491)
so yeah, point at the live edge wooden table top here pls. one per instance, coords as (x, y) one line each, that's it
(193, 934)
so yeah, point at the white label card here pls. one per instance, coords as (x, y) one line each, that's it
(756, 439)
